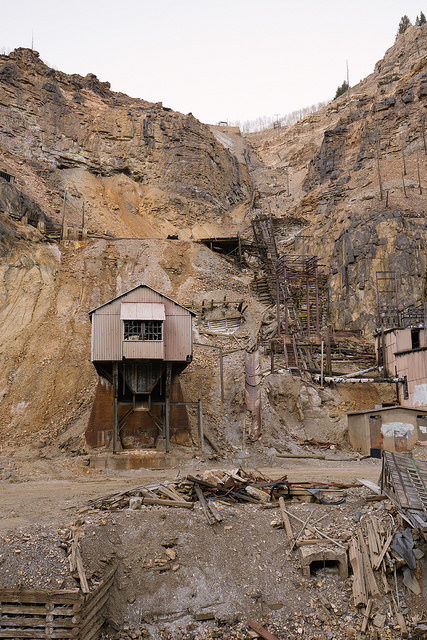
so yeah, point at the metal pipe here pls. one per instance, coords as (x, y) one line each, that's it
(358, 373)
(342, 379)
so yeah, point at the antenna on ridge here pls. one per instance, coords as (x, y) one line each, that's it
(32, 40)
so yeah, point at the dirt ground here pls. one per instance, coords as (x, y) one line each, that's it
(174, 568)
(53, 501)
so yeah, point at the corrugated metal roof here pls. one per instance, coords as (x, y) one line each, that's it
(142, 311)
(137, 287)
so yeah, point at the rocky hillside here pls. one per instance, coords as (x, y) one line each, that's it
(144, 171)
(357, 182)
(141, 168)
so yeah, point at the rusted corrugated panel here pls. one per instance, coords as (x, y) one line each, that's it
(142, 311)
(106, 338)
(143, 349)
(253, 392)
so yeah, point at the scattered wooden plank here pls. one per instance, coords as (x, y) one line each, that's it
(285, 520)
(81, 572)
(359, 587)
(371, 583)
(380, 558)
(261, 496)
(370, 485)
(167, 503)
(209, 517)
(366, 616)
(311, 541)
(302, 456)
(261, 631)
(172, 494)
(301, 531)
(400, 618)
(315, 529)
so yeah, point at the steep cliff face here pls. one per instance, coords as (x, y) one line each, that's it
(357, 170)
(135, 163)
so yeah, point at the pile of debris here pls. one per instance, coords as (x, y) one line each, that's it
(218, 486)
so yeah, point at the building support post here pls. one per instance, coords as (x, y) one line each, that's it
(167, 410)
(115, 404)
(167, 404)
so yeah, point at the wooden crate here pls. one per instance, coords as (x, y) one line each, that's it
(61, 614)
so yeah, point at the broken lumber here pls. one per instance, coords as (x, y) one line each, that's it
(261, 496)
(371, 583)
(261, 631)
(356, 561)
(380, 558)
(366, 616)
(316, 456)
(167, 503)
(315, 529)
(310, 541)
(285, 520)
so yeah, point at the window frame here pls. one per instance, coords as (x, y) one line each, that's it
(143, 331)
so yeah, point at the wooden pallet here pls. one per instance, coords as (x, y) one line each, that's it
(62, 614)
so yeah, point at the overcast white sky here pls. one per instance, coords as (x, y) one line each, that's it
(219, 59)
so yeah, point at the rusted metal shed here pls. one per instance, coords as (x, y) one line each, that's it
(392, 428)
(141, 341)
(403, 352)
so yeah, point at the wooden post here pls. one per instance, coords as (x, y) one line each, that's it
(403, 159)
(115, 404)
(63, 215)
(404, 187)
(167, 430)
(200, 421)
(167, 405)
(83, 215)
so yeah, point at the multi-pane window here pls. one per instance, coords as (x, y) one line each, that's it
(143, 330)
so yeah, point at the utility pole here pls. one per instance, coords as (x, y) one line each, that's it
(403, 156)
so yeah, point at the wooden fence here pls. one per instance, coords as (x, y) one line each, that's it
(61, 614)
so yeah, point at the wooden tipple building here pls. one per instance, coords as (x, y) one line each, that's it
(141, 341)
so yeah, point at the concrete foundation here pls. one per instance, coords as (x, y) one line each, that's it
(317, 553)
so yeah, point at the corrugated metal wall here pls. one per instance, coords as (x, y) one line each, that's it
(107, 331)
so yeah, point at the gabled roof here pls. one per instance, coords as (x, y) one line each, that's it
(134, 289)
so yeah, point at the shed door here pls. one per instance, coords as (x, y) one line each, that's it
(375, 423)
